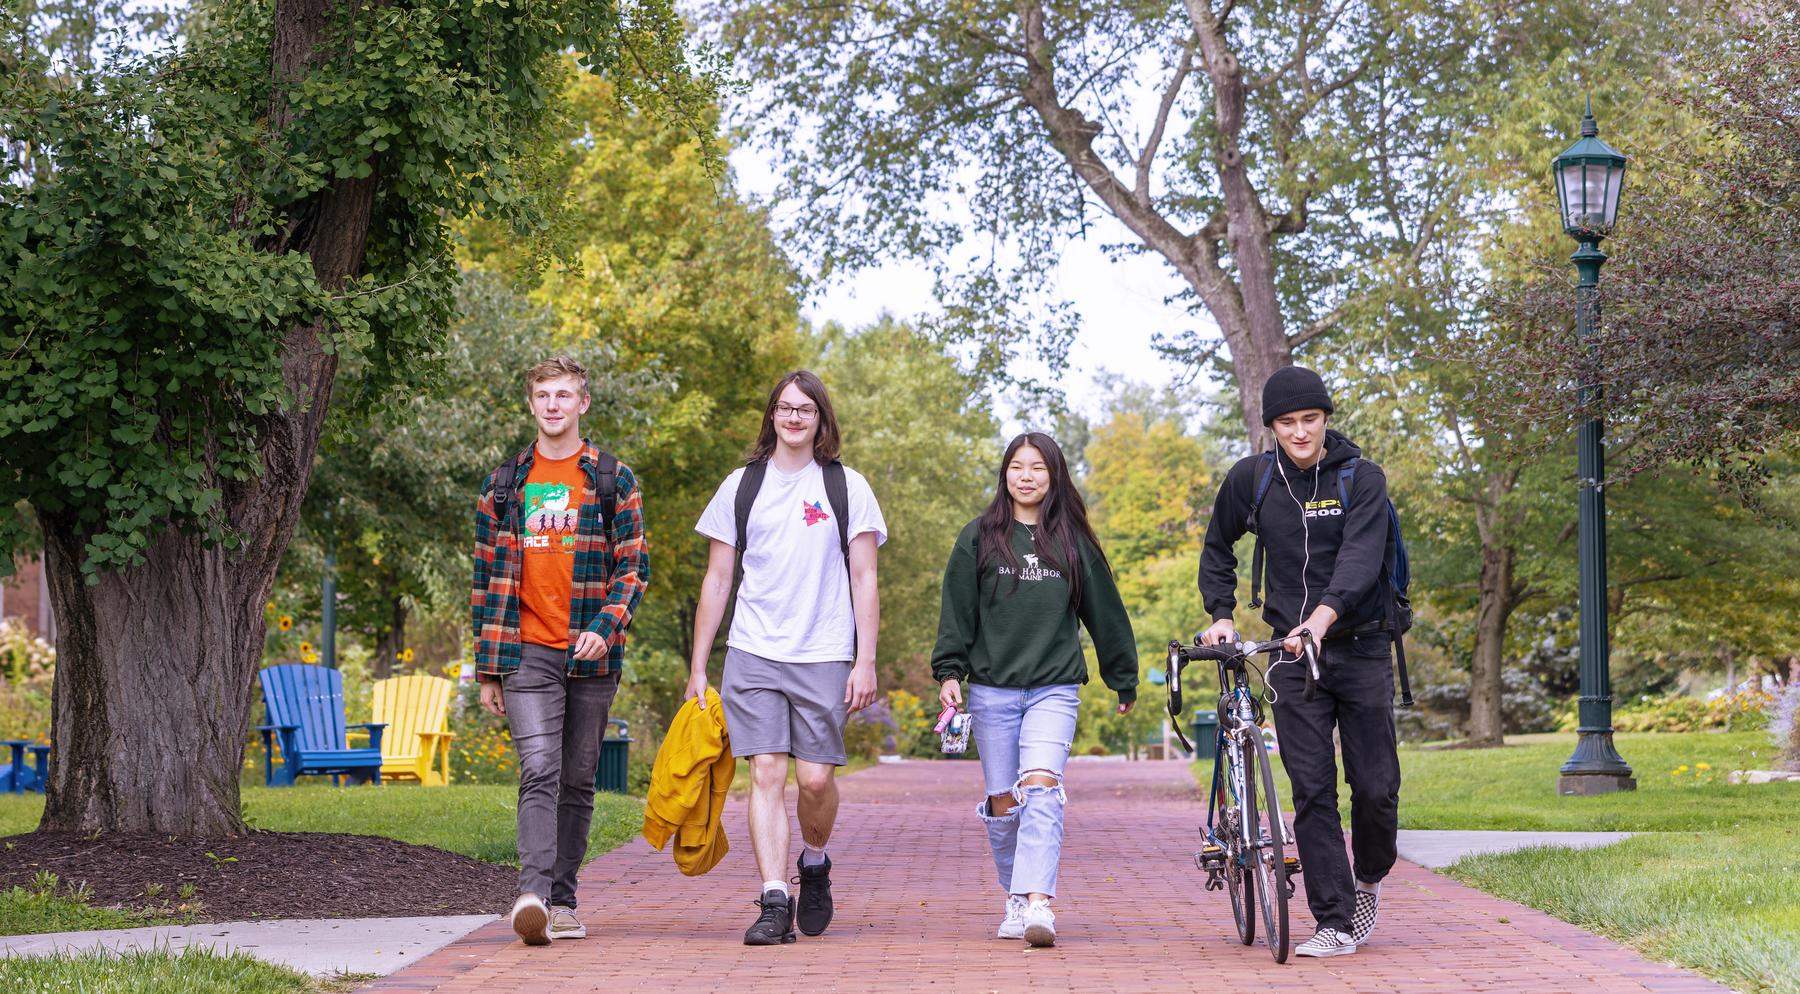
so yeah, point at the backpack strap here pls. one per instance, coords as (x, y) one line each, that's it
(837, 492)
(606, 487)
(506, 481)
(749, 485)
(1406, 697)
(1346, 479)
(1256, 556)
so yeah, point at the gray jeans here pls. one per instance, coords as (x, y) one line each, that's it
(556, 722)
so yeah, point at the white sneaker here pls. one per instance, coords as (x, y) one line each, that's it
(1040, 924)
(1326, 942)
(531, 920)
(564, 924)
(1013, 926)
(1362, 919)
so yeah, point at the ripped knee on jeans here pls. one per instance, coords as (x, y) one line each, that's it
(1039, 783)
(997, 808)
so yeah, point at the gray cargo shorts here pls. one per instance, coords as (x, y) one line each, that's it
(793, 708)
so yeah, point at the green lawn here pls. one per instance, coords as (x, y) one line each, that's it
(478, 821)
(152, 973)
(1716, 888)
(1724, 901)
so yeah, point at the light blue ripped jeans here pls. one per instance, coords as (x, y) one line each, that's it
(1021, 731)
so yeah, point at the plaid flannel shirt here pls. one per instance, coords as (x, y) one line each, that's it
(611, 571)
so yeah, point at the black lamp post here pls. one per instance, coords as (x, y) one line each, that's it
(1589, 177)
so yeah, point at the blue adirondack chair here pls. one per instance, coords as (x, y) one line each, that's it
(16, 776)
(305, 706)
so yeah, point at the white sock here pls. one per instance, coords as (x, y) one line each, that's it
(780, 885)
(1369, 888)
(812, 855)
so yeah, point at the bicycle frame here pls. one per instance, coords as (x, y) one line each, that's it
(1239, 709)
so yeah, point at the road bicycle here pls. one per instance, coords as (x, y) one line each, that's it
(1244, 844)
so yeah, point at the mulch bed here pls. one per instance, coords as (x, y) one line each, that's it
(263, 874)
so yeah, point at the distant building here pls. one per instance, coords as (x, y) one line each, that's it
(25, 596)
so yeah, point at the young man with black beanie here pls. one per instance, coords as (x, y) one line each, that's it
(1323, 521)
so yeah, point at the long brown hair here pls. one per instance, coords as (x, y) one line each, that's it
(1062, 520)
(825, 442)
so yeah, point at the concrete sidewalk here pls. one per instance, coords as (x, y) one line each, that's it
(1438, 849)
(319, 946)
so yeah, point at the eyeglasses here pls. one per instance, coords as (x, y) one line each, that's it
(805, 412)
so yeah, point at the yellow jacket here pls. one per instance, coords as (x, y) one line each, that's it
(688, 785)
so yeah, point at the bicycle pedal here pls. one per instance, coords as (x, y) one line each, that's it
(1215, 879)
(1291, 864)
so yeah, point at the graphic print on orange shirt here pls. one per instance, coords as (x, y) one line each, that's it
(551, 505)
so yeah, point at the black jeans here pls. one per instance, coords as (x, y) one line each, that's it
(556, 722)
(1356, 694)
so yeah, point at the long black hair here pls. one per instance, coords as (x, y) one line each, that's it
(1062, 519)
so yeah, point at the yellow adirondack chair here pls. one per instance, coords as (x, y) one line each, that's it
(417, 711)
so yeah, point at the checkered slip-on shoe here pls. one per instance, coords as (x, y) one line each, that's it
(1326, 942)
(1362, 920)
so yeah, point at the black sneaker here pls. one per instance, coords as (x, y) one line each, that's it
(775, 925)
(815, 897)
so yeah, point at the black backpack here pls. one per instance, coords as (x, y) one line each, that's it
(1396, 571)
(837, 492)
(606, 487)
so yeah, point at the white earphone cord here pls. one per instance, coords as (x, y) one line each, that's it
(1270, 693)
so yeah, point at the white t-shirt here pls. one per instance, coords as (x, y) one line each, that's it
(794, 603)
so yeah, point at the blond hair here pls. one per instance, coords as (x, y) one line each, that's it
(553, 367)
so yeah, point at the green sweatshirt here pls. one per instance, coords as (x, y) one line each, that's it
(991, 633)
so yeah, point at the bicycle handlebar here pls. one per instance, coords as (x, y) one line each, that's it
(1226, 652)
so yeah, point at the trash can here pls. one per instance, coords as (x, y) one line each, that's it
(1206, 734)
(615, 761)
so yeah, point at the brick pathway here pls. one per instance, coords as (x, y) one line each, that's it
(916, 908)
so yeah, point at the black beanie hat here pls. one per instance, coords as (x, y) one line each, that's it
(1290, 389)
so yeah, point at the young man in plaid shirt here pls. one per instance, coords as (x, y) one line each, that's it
(560, 565)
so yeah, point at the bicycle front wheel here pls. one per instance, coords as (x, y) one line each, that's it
(1270, 862)
(1239, 883)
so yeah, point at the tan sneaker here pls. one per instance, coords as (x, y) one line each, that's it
(564, 924)
(531, 920)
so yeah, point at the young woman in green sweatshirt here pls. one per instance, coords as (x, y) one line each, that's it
(1021, 579)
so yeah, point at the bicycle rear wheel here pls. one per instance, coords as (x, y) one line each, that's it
(1270, 862)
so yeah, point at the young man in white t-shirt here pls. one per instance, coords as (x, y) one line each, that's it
(801, 653)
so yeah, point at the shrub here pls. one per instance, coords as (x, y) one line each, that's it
(1745, 709)
(913, 721)
(869, 731)
(484, 750)
(1443, 708)
(27, 671)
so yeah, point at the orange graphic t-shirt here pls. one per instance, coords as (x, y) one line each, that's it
(552, 502)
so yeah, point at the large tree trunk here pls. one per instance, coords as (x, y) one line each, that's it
(154, 677)
(155, 663)
(1493, 606)
(1240, 296)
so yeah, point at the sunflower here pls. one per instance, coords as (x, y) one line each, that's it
(306, 649)
(405, 655)
(286, 623)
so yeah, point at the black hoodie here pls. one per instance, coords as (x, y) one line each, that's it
(1331, 556)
